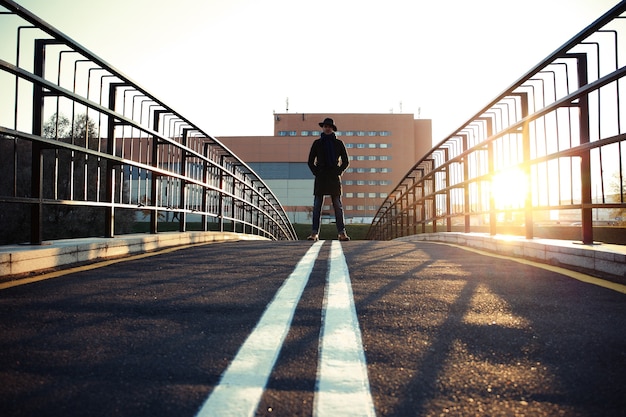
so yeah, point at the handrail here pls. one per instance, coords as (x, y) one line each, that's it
(124, 154)
(564, 113)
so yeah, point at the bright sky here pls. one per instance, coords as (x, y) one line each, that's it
(226, 65)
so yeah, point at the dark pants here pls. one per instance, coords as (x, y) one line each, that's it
(318, 201)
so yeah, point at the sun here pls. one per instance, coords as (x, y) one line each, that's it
(509, 188)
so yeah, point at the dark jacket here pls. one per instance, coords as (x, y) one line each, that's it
(327, 178)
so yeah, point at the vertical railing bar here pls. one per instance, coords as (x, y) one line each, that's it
(16, 169)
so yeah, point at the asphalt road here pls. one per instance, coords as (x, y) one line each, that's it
(440, 331)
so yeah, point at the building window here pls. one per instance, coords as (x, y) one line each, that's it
(305, 133)
(371, 195)
(360, 182)
(349, 207)
(349, 133)
(383, 145)
(349, 195)
(360, 195)
(371, 145)
(360, 133)
(383, 195)
(316, 132)
(363, 170)
(349, 145)
(384, 133)
(360, 145)
(348, 182)
(384, 158)
(360, 158)
(372, 133)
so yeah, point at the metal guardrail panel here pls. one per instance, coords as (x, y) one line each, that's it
(77, 134)
(548, 150)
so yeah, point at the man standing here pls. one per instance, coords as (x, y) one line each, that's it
(328, 159)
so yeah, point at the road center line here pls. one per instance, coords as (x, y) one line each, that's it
(342, 382)
(242, 384)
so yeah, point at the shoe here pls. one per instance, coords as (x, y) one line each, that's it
(343, 237)
(314, 237)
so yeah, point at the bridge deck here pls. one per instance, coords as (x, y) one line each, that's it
(441, 330)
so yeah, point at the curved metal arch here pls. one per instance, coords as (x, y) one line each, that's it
(518, 143)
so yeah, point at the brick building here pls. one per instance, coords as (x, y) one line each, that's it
(381, 147)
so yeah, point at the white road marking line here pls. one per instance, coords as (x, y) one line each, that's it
(242, 384)
(342, 382)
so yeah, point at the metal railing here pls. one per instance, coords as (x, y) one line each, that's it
(80, 141)
(547, 152)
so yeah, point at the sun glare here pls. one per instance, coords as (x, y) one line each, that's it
(509, 188)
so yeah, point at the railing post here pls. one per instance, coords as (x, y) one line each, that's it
(528, 202)
(154, 187)
(493, 220)
(394, 219)
(221, 198)
(400, 218)
(406, 216)
(36, 209)
(446, 185)
(433, 202)
(254, 200)
(492, 197)
(432, 192)
(205, 189)
(466, 191)
(109, 211)
(233, 204)
(585, 157)
(413, 221)
(422, 199)
(182, 218)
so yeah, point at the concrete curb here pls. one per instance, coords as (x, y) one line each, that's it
(23, 259)
(601, 258)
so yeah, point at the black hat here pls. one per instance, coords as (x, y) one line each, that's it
(329, 121)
